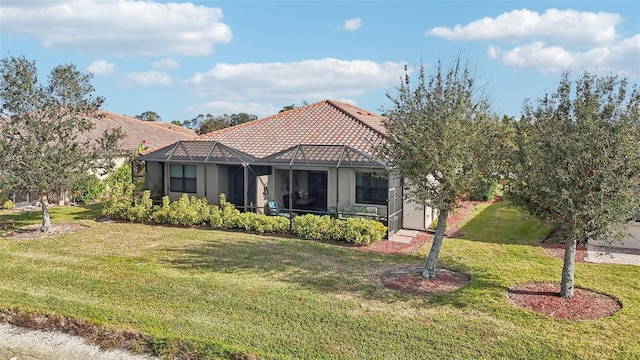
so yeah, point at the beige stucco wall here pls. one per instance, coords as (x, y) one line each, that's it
(212, 184)
(632, 241)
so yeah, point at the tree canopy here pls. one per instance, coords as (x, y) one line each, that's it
(203, 124)
(577, 162)
(440, 140)
(149, 116)
(43, 127)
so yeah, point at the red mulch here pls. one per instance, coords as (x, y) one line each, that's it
(408, 280)
(557, 251)
(545, 299)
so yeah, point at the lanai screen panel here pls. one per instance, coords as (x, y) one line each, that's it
(200, 152)
(323, 155)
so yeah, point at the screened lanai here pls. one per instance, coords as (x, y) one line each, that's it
(201, 168)
(306, 178)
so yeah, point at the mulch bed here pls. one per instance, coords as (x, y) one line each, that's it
(545, 299)
(408, 280)
(557, 251)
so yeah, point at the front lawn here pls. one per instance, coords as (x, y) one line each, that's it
(220, 293)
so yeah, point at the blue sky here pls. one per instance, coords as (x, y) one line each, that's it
(181, 59)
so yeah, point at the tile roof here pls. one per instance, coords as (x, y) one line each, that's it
(326, 122)
(136, 131)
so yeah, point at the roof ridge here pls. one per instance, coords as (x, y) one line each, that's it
(337, 104)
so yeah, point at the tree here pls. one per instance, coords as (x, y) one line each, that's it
(577, 163)
(176, 122)
(41, 127)
(203, 124)
(439, 139)
(149, 116)
(287, 108)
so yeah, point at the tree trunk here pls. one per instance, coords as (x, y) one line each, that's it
(568, 269)
(429, 270)
(46, 219)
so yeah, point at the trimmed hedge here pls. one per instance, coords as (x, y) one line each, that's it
(359, 231)
(121, 202)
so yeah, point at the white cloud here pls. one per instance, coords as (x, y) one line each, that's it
(118, 27)
(620, 58)
(164, 64)
(101, 67)
(282, 83)
(551, 59)
(554, 27)
(352, 24)
(148, 78)
(554, 41)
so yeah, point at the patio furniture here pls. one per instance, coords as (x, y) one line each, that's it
(274, 209)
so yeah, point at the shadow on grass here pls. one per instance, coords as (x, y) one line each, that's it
(503, 223)
(21, 218)
(308, 264)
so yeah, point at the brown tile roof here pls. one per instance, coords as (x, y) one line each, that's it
(136, 131)
(326, 122)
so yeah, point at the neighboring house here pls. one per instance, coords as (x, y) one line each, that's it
(314, 159)
(137, 133)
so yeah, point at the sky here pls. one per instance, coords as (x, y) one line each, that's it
(185, 58)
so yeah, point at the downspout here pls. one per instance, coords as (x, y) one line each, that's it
(290, 189)
(206, 184)
(245, 185)
(337, 188)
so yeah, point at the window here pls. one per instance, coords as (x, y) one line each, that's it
(183, 179)
(372, 188)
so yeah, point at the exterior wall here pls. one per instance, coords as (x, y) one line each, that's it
(630, 242)
(212, 187)
(416, 217)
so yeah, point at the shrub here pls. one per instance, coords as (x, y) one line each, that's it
(185, 211)
(484, 190)
(142, 208)
(215, 217)
(88, 188)
(7, 205)
(263, 223)
(315, 227)
(117, 200)
(363, 231)
(230, 216)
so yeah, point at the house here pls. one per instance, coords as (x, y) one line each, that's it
(137, 133)
(314, 159)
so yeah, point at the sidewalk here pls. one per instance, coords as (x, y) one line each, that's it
(615, 255)
(20, 344)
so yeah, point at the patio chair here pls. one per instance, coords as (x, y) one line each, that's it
(274, 209)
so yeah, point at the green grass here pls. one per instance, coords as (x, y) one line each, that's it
(224, 292)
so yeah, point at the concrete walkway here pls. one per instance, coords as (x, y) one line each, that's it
(615, 255)
(404, 236)
(21, 344)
